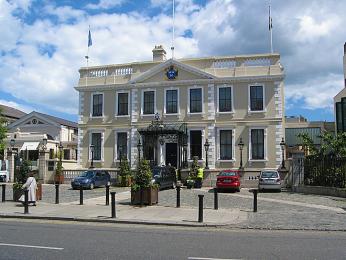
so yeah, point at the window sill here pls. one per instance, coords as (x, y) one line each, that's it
(96, 117)
(256, 111)
(259, 160)
(223, 160)
(96, 161)
(195, 114)
(124, 116)
(171, 114)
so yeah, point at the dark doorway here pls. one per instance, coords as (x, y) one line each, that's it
(171, 154)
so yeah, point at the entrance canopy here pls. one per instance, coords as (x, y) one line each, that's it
(30, 146)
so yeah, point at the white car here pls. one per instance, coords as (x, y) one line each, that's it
(269, 180)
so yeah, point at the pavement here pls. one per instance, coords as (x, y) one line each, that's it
(276, 211)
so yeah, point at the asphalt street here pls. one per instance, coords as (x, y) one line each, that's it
(24, 239)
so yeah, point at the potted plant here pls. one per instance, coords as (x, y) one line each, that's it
(189, 182)
(125, 173)
(59, 176)
(143, 191)
(191, 179)
(20, 179)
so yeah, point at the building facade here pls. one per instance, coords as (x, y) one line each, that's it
(174, 106)
(340, 103)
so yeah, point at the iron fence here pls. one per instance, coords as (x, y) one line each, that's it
(328, 171)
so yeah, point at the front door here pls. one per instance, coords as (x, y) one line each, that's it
(171, 154)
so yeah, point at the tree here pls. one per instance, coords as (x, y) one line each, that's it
(125, 172)
(3, 131)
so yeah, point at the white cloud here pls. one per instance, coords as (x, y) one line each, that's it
(26, 109)
(105, 4)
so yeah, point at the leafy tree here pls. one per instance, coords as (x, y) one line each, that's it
(143, 176)
(22, 174)
(3, 131)
(125, 172)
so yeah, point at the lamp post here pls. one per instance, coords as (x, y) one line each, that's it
(283, 145)
(185, 154)
(206, 148)
(12, 143)
(92, 148)
(61, 149)
(139, 145)
(241, 146)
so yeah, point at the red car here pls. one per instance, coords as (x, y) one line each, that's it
(228, 179)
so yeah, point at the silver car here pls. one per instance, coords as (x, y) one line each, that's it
(269, 180)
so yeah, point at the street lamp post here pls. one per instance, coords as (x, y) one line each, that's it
(92, 148)
(206, 148)
(12, 143)
(61, 149)
(283, 145)
(241, 146)
(185, 155)
(139, 145)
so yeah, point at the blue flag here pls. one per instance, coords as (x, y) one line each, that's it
(90, 42)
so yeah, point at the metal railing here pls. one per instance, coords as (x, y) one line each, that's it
(328, 171)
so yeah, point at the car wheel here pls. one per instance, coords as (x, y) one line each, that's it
(92, 186)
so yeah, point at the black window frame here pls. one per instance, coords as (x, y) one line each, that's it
(123, 107)
(172, 101)
(196, 103)
(257, 144)
(97, 105)
(195, 145)
(226, 145)
(225, 103)
(124, 145)
(151, 103)
(256, 98)
(97, 146)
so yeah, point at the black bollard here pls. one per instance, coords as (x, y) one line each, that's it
(107, 195)
(113, 204)
(200, 208)
(80, 195)
(178, 196)
(255, 191)
(56, 193)
(216, 199)
(3, 199)
(26, 201)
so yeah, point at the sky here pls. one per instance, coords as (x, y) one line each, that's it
(43, 44)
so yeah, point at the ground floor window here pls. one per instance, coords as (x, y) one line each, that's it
(96, 140)
(121, 145)
(226, 144)
(257, 144)
(196, 144)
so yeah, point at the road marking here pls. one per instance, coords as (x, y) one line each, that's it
(204, 258)
(29, 246)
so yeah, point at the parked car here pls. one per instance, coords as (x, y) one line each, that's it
(269, 180)
(228, 180)
(91, 179)
(164, 176)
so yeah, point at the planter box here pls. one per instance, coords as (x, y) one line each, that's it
(59, 179)
(17, 193)
(150, 196)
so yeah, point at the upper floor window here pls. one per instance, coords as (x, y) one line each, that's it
(196, 100)
(341, 115)
(225, 99)
(172, 101)
(256, 98)
(226, 144)
(148, 102)
(257, 144)
(123, 104)
(97, 104)
(96, 140)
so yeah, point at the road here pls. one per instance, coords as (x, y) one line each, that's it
(24, 239)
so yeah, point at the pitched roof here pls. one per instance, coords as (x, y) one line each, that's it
(11, 112)
(59, 120)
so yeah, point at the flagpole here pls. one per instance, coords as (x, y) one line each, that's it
(271, 30)
(87, 57)
(173, 29)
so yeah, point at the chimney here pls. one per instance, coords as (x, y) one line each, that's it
(159, 53)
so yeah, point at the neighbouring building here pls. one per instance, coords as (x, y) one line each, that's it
(10, 114)
(172, 107)
(340, 103)
(28, 133)
(300, 125)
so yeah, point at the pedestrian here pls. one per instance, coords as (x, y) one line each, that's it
(31, 185)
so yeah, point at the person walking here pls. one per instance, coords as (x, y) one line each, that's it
(31, 185)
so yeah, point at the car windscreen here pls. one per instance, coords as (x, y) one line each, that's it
(269, 175)
(87, 174)
(227, 174)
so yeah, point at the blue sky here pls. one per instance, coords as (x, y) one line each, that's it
(43, 44)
